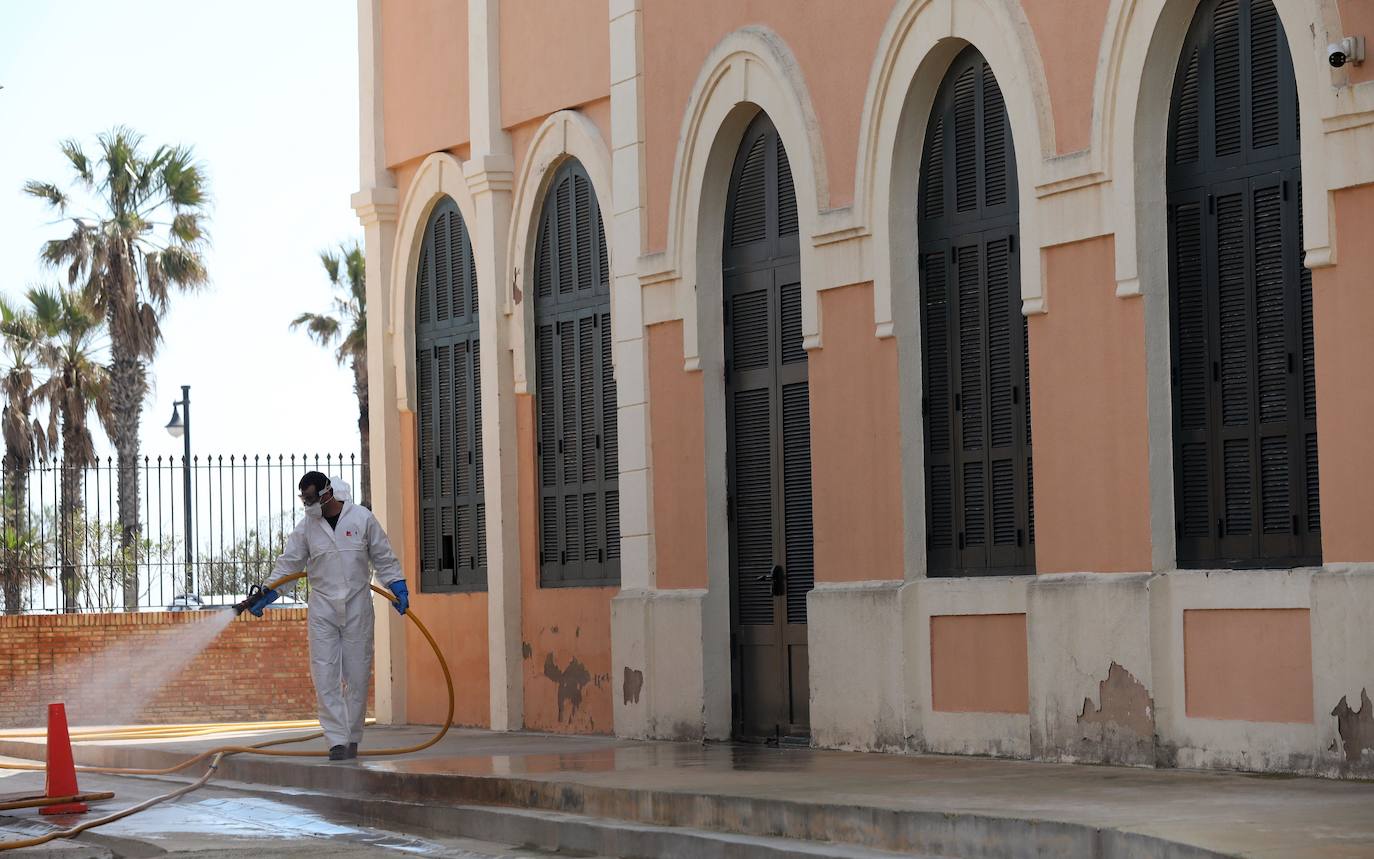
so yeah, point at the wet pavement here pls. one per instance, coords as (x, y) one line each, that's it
(939, 805)
(217, 821)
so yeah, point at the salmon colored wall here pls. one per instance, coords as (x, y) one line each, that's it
(677, 427)
(1069, 33)
(1088, 414)
(457, 621)
(978, 663)
(1254, 665)
(565, 632)
(1343, 317)
(599, 112)
(424, 70)
(855, 440)
(552, 57)
(678, 37)
(1357, 19)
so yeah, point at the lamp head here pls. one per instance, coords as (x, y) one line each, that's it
(175, 426)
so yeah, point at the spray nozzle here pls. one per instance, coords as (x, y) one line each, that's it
(255, 593)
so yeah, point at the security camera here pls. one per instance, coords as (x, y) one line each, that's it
(1347, 50)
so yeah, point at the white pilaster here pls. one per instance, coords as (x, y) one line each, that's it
(632, 618)
(376, 205)
(489, 174)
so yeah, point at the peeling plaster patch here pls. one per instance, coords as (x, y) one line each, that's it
(525, 650)
(1356, 727)
(1124, 702)
(634, 683)
(570, 681)
(1121, 728)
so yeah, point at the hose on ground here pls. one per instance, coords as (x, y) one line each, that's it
(215, 755)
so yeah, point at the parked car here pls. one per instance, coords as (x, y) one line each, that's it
(196, 602)
(186, 602)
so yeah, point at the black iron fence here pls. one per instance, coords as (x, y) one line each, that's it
(63, 547)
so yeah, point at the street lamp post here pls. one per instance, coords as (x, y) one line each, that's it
(180, 427)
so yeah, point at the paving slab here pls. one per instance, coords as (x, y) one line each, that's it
(930, 804)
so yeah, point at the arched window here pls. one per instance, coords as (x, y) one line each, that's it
(1244, 403)
(980, 519)
(453, 530)
(579, 498)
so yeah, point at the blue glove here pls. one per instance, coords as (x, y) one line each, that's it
(268, 597)
(402, 596)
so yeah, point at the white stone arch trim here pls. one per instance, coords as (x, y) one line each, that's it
(918, 43)
(440, 175)
(749, 70)
(562, 135)
(1133, 92)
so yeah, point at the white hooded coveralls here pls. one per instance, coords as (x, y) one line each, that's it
(336, 561)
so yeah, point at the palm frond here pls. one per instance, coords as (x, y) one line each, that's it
(331, 266)
(184, 266)
(80, 163)
(182, 179)
(48, 193)
(187, 228)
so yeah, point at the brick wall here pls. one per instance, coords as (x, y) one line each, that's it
(149, 668)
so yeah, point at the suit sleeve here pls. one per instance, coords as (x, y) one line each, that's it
(293, 558)
(384, 561)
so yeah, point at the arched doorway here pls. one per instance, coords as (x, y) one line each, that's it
(1244, 399)
(769, 439)
(980, 519)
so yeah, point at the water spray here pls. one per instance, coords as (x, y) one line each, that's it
(215, 755)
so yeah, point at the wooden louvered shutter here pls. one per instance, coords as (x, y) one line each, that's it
(448, 391)
(579, 508)
(768, 426)
(1245, 444)
(976, 400)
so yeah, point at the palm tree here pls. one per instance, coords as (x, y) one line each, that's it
(144, 238)
(347, 272)
(77, 385)
(25, 441)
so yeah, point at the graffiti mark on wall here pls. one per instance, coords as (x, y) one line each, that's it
(570, 682)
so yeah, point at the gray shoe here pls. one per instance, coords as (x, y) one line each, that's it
(338, 753)
(352, 751)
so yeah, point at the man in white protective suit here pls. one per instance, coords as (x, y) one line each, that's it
(334, 544)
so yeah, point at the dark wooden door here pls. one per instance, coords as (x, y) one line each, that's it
(769, 434)
(980, 519)
(1243, 375)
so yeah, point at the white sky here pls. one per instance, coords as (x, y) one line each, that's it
(266, 92)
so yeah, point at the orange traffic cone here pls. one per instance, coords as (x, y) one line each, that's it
(61, 767)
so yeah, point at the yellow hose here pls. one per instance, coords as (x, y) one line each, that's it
(262, 748)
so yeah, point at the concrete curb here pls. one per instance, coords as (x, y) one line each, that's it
(446, 797)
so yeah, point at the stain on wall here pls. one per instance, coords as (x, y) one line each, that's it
(634, 684)
(1356, 728)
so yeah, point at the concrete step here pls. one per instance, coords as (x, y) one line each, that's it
(513, 803)
(561, 832)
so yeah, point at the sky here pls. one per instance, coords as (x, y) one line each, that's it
(267, 94)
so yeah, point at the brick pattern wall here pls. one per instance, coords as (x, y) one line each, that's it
(138, 668)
